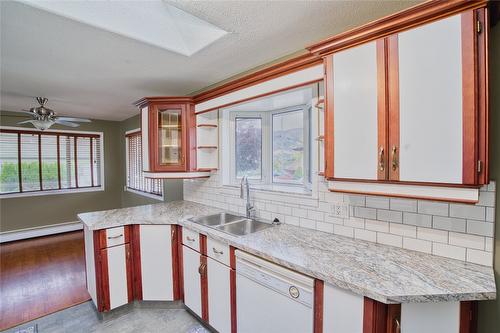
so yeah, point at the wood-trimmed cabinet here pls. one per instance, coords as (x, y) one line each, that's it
(132, 262)
(411, 107)
(168, 126)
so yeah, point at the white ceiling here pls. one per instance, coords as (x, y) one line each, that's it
(90, 72)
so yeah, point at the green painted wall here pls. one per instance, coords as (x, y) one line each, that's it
(172, 189)
(489, 312)
(37, 211)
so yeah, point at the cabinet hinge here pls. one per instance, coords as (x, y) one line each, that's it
(479, 166)
(479, 26)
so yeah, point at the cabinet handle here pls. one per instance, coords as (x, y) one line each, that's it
(381, 164)
(395, 162)
(201, 269)
(117, 236)
(216, 251)
(190, 239)
(398, 325)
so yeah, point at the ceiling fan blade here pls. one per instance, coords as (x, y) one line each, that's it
(66, 123)
(25, 122)
(28, 112)
(80, 120)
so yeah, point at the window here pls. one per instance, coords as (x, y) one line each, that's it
(136, 182)
(271, 147)
(35, 162)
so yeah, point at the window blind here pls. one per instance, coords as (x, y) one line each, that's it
(32, 161)
(135, 176)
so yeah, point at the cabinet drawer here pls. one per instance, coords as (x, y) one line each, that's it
(218, 251)
(191, 238)
(114, 236)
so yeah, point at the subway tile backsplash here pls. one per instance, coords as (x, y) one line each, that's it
(452, 230)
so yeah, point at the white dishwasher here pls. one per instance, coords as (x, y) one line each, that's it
(271, 298)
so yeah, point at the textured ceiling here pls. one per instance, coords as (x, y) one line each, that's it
(89, 72)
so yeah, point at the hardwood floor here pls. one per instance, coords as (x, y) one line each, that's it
(40, 276)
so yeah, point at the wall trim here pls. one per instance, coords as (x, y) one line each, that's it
(9, 236)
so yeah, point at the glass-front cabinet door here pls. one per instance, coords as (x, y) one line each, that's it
(170, 143)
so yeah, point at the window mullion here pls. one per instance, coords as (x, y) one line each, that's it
(76, 163)
(91, 164)
(19, 163)
(58, 161)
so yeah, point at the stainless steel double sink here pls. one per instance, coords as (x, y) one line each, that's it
(231, 224)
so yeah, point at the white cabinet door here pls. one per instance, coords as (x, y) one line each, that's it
(117, 257)
(355, 109)
(441, 317)
(430, 102)
(219, 296)
(342, 310)
(156, 262)
(192, 284)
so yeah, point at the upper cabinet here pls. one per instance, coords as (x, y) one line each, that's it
(410, 107)
(168, 127)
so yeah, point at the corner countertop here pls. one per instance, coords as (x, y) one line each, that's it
(384, 273)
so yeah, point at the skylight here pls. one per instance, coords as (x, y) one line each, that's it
(153, 22)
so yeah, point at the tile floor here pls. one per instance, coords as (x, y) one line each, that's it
(139, 317)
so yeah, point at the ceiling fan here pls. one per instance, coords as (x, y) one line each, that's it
(44, 117)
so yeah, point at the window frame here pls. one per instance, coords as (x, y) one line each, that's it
(127, 188)
(73, 133)
(267, 146)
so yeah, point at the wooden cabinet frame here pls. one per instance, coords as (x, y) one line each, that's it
(188, 132)
(474, 97)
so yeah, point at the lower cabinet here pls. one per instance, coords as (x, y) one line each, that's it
(191, 262)
(342, 310)
(156, 264)
(219, 296)
(116, 276)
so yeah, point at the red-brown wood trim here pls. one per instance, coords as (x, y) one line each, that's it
(391, 195)
(403, 182)
(105, 304)
(318, 306)
(468, 317)
(76, 162)
(328, 118)
(96, 235)
(382, 110)
(47, 132)
(58, 161)
(204, 289)
(203, 244)
(129, 269)
(136, 257)
(393, 318)
(174, 231)
(469, 98)
(483, 95)
(126, 233)
(180, 263)
(417, 15)
(393, 87)
(102, 238)
(19, 163)
(154, 111)
(277, 91)
(207, 125)
(40, 161)
(268, 73)
(232, 288)
(374, 316)
(91, 163)
(190, 148)
(145, 101)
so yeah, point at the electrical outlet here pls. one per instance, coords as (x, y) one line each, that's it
(340, 210)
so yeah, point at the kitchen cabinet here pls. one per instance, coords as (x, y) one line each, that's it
(117, 276)
(168, 129)
(410, 108)
(342, 310)
(154, 262)
(219, 296)
(193, 270)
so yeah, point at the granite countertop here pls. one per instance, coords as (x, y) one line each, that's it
(385, 273)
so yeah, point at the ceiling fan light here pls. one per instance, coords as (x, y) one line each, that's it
(42, 125)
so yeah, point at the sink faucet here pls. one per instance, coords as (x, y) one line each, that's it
(249, 207)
